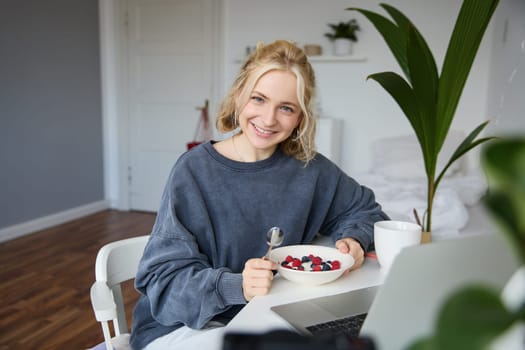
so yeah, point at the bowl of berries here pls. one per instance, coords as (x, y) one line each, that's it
(311, 264)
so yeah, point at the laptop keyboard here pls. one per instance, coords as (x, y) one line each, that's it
(349, 326)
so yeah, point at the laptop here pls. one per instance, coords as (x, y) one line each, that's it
(404, 308)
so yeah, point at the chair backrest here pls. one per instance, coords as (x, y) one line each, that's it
(118, 262)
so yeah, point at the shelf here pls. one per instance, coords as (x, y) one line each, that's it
(325, 58)
(328, 59)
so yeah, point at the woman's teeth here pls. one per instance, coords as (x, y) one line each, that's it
(262, 131)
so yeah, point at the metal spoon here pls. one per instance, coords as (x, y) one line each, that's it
(274, 237)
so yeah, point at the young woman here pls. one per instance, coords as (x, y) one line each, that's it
(204, 261)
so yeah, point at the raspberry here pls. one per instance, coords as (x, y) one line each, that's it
(336, 264)
(316, 268)
(289, 258)
(317, 260)
(296, 262)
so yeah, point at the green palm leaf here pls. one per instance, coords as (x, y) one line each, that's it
(403, 94)
(465, 146)
(471, 24)
(395, 38)
(424, 78)
(401, 20)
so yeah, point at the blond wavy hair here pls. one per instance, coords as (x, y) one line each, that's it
(284, 56)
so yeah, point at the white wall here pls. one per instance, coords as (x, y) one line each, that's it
(506, 104)
(367, 110)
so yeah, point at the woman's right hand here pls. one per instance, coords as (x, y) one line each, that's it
(257, 277)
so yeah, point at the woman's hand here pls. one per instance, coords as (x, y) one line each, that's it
(257, 277)
(351, 246)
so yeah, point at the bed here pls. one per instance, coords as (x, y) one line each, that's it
(398, 179)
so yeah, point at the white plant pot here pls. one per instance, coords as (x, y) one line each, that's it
(343, 47)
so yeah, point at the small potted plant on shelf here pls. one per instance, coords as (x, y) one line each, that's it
(343, 35)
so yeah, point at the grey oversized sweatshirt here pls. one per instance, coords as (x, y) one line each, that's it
(213, 217)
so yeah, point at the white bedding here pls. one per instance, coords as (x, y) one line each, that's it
(454, 196)
(398, 180)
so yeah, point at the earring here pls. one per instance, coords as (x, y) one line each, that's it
(295, 135)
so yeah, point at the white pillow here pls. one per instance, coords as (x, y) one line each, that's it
(401, 157)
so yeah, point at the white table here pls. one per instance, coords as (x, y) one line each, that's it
(256, 316)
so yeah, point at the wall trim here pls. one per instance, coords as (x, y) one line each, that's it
(25, 228)
(114, 173)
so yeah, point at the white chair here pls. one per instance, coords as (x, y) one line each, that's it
(116, 262)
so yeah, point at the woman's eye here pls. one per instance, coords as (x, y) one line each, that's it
(257, 99)
(287, 109)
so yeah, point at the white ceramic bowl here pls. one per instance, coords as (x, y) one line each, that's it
(311, 277)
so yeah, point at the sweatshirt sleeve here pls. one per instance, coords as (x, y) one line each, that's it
(353, 212)
(180, 282)
(181, 285)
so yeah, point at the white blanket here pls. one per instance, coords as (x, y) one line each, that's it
(397, 177)
(455, 193)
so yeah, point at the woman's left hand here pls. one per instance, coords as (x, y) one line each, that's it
(352, 247)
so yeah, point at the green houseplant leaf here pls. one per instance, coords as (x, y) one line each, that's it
(393, 35)
(504, 164)
(403, 94)
(471, 318)
(469, 143)
(343, 30)
(424, 79)
(471, 24)
(429, 99)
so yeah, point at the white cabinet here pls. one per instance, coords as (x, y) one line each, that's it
(328, 138)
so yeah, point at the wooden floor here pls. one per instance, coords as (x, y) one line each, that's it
(45, 279)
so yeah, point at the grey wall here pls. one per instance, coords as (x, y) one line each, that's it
(50, 108)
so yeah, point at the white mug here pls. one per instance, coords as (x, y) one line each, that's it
(391, 236)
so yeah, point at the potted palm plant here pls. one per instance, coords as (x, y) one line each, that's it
(429, 98)
(343, 35)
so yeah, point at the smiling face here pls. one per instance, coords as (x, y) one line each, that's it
(278, 57)
(271, 113)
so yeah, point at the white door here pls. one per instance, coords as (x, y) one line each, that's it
(171, 58)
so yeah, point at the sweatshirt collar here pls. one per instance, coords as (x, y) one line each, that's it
(233, 164)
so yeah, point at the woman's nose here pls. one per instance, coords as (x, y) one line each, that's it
(269, 116)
